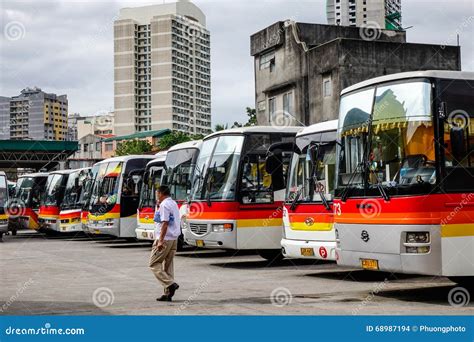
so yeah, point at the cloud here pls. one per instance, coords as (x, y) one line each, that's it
(67, 46)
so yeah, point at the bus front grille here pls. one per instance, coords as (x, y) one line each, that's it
(198, 229)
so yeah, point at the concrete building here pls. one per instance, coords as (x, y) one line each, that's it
(300, 69)
(384, 14)
(72, 126)
(101, 124)
(34, 115)
(89, 152)
(162, 69)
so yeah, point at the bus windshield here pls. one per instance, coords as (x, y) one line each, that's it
(387, 139)
(178, 170)
(54, 189)
(313, 165)
(105, 189)
(88, 186)
(151, 182)
(215, 177)
(74, 189)
(29, 190)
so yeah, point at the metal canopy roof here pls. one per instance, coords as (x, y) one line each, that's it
(140, 135)
(35, 154)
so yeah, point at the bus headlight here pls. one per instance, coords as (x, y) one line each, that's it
(418, 237)
(184, 223)
(223, 227)
(418, 250)
(109, 222)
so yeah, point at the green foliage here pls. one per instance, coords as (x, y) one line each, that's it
(219, 127)
(129, 147)
(252, 114)
(174, 138)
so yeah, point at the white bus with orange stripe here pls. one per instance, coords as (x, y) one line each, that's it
(235, 202)
(405, 191)
(71, 205)
(308, 213)
(115, 196)
(147, 205)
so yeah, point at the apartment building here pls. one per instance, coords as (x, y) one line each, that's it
(34, 115)
(162, 69)
(386, 14)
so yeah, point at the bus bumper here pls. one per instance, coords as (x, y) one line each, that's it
(203, 234)
(48, 223)
(302, 249)
(104, 228)
(145, 234)
(4, 226)
(386, 248)
(69, 228)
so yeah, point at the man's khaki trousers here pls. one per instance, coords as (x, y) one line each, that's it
(161, 263)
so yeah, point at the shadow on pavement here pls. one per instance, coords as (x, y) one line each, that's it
(428, 295)
(363, 276)
(262, 263)
(26, 308)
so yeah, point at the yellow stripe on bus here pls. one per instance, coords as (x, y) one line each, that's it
(3, 217)
(317, 226)
(457, 230)
(259, 223)
(104, 216)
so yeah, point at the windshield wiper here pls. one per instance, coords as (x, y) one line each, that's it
(295, 201)
(209, 186)
(347, 189)
(379, 185)
(321, 194)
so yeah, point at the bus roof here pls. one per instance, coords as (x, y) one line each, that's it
(36, 174)
(319, 127)
(2, 173)
(125, 158)
(461, 75)
(159, 158)
(63, 172)
(185, 145)
(256, 129)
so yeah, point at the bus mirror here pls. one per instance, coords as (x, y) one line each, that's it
(272, 162)
(458, 143)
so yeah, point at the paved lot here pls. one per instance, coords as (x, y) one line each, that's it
(83, 276)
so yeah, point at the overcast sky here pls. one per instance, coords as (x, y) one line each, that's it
(67, 46)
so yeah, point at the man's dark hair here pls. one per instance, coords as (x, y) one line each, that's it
(164, 190)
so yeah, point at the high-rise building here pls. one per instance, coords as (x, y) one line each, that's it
(162, 69)
(386, 14)
(34, 115)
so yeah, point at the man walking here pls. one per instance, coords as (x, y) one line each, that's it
(167, 231)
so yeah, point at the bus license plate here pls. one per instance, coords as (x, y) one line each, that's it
(369, 264)
(97, 231)
(307, 252)
(144, 234)
(199, 243)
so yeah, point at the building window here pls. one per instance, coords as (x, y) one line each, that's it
(271, 108)
(288, 103)
(109, 147)
(97, 146)
(327, 86)
(86, 147)
(267, 60)
(261, 106)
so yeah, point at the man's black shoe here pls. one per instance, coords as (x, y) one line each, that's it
(172, 289)
(164, 298)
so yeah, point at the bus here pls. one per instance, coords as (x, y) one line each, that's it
(147, 204)
(3, 204)
(235, 203)
(114, 200)
(25, 203)
(48, 216)
(308, 214)
(178, 166)
(86, 195)
(71, 205)
(404, 186)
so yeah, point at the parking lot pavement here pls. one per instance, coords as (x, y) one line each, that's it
(79, 275)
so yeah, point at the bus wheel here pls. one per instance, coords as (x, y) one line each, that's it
(14, 232)
(467, 282)
(273, 255)
(1, 237)
(131, 239)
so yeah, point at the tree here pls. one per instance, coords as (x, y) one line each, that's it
(220, 127)
(252, 114)
(136, 146)
(174, 138)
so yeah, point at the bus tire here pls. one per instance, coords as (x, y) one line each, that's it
(181, 244)
(131, 239)
(467, 282)
(14, 232)
(271, 254)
